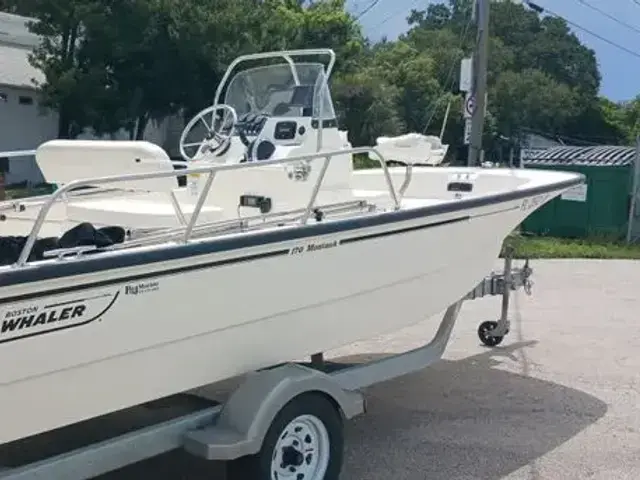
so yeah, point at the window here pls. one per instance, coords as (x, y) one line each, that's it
(22, 100)
(3, 97)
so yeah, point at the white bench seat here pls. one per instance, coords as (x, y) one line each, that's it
(63, 161)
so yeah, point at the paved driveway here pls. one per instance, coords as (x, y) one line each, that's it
(559, 400)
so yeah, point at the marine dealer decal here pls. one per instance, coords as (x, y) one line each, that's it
(142, 287)
(30, 319)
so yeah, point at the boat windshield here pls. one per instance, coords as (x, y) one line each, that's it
(273, 90)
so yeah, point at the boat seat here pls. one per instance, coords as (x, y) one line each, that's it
(62, 161)
(411, 148)
(136, 213)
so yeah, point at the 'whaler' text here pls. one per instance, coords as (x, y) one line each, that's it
(32, 318)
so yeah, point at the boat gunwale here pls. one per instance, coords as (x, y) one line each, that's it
(94, 263)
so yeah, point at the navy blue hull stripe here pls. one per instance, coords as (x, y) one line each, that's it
(403, 230)
(141, 277)
(208, 265)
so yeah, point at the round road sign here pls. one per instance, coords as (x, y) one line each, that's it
(470, 105)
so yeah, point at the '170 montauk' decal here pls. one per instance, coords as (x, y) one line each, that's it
(313, 247)
(30, 319)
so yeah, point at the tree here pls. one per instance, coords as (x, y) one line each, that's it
(631, 118)
(531, 98)
(367, 107)
(17, 7)
(67, 80)
(115, 64)
(540, 76)
(123, 63)
(134, 43)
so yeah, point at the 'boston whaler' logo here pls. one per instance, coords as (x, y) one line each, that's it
(32, 317)
(26, 320)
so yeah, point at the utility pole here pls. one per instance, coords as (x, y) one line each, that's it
(479, 90)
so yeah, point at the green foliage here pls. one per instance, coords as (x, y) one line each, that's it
(112, 64)
(531, 97)
(367, 106)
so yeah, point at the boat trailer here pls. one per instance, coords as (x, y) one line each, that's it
(277, 424)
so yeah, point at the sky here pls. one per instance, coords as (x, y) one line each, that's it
(620, 70)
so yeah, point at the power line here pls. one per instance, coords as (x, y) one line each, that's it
(367, 9)
(395, 13)
(450, 78)
(540, 9)
(608, 15)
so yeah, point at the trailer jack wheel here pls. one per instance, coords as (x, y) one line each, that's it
(304, 442)
(484, 333)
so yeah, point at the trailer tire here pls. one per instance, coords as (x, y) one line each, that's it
(304, 442)
(484, 334)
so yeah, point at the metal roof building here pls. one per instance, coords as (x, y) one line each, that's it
(606, 205)
(598, 156)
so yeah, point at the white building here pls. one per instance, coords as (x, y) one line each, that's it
(23, 123)
(22, 126)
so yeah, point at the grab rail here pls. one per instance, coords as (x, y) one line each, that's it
(244, 223)
(17, 153)
(212, 170)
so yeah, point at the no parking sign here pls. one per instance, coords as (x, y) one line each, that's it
(469, 105)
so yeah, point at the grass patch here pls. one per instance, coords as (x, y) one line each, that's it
(549, 247)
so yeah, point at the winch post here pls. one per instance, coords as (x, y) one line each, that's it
(503, 323)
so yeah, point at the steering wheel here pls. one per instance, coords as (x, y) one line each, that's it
(218, 131)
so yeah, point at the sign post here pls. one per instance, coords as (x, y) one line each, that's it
(466, 74)
(467, 131)
(480, 81)
(468, 110)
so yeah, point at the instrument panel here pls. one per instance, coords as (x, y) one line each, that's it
(285, 130)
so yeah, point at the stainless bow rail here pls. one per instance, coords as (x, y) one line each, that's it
(243, 224)
(212, 170)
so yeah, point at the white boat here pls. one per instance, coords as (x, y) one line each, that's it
(272, 261)
(270, 111)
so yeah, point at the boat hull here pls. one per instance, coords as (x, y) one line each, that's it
(148, 331)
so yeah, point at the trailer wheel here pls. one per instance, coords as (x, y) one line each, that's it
(304, 442)
(484, 334)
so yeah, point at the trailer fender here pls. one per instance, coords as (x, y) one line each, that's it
(247, 415)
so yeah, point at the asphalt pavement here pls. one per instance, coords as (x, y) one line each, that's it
(560, 399)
